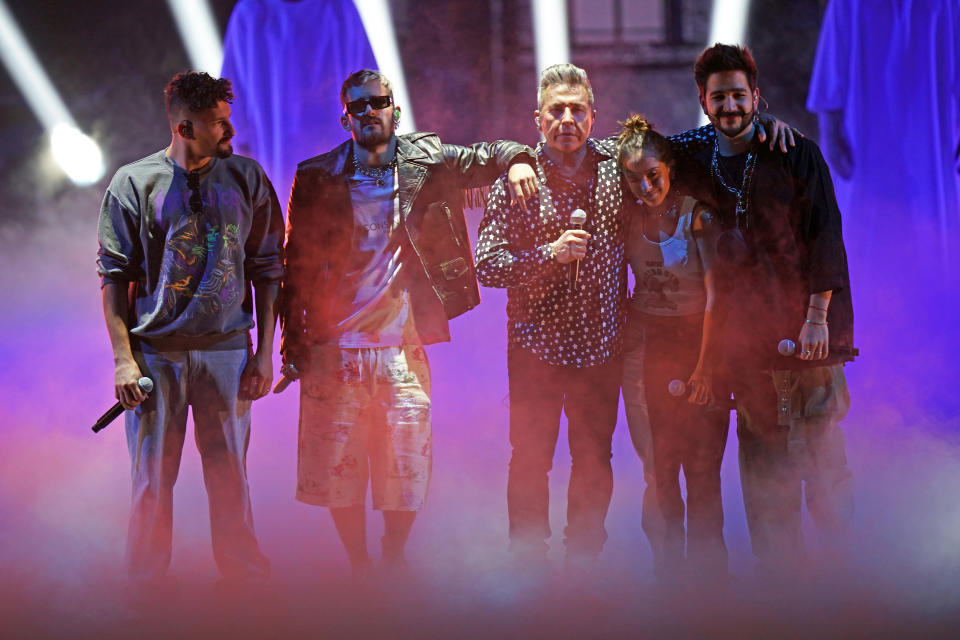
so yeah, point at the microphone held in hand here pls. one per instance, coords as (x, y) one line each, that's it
(145, 384)
(678, 389)
(577, 219)
(788, 347)
(289, 374)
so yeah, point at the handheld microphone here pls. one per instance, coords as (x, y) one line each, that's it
(145, 384)
(577, 220)
(678, 388)
(788, 347)
(289, 374)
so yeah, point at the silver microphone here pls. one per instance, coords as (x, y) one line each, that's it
(786, 347)
(577, 220)
(678, 388)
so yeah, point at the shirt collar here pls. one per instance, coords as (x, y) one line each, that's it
(594, 155)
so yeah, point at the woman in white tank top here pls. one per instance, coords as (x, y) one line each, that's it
(671, 247)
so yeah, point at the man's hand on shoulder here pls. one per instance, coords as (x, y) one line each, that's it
(779, 132)
(522, 183)
(257, 376)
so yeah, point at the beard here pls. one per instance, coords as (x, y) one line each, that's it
(224, 149)
(374, 138)
(732, 132)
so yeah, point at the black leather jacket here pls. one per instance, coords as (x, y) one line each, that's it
(320, 239)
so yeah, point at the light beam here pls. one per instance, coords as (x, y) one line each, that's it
(728, 24)
(199, 33)
(76, 153)
(377, 22)
(551, 33)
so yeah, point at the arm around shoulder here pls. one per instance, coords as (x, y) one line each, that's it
(502, 260)
(483, 162)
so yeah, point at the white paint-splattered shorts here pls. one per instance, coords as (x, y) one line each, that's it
(365, 413)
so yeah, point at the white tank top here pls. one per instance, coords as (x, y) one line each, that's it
(668, 274)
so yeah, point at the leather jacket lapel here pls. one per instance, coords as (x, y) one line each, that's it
(411, 173)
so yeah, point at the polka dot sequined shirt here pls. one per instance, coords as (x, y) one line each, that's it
(578, 328)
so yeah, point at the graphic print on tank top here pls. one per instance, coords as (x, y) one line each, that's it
(658, 283)
(668, 273)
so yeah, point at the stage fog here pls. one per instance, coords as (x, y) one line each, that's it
(65, 492)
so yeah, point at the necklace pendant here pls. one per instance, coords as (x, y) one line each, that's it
(380, 181)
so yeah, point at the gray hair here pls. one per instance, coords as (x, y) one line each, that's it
(563, 73)
(362, 77)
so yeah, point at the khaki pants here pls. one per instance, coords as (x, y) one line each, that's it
(791, 440)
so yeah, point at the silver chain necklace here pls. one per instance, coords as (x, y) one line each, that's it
(746, 186)
(377, 173)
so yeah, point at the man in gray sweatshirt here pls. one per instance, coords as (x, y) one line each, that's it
(183, 234)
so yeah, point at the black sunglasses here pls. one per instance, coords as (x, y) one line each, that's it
(193, 183)
(359, 107)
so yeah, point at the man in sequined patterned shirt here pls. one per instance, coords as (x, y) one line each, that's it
(564, 342)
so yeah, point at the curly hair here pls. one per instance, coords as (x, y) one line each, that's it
(725, 57)
(637, 135)
(196, 91)
(362, 77)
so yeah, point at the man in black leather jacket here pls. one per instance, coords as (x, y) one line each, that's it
(377, 260)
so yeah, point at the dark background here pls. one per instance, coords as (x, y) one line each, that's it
(110, 61)
(64, 493)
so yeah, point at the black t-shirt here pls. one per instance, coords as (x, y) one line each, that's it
(790, 245)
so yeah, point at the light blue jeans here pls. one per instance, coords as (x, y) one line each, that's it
(208, 381)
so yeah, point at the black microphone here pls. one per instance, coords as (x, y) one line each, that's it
(145, 384)
(577, 219)
(288, 374)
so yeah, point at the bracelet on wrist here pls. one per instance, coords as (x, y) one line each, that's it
(816, 324)
(813, 306)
